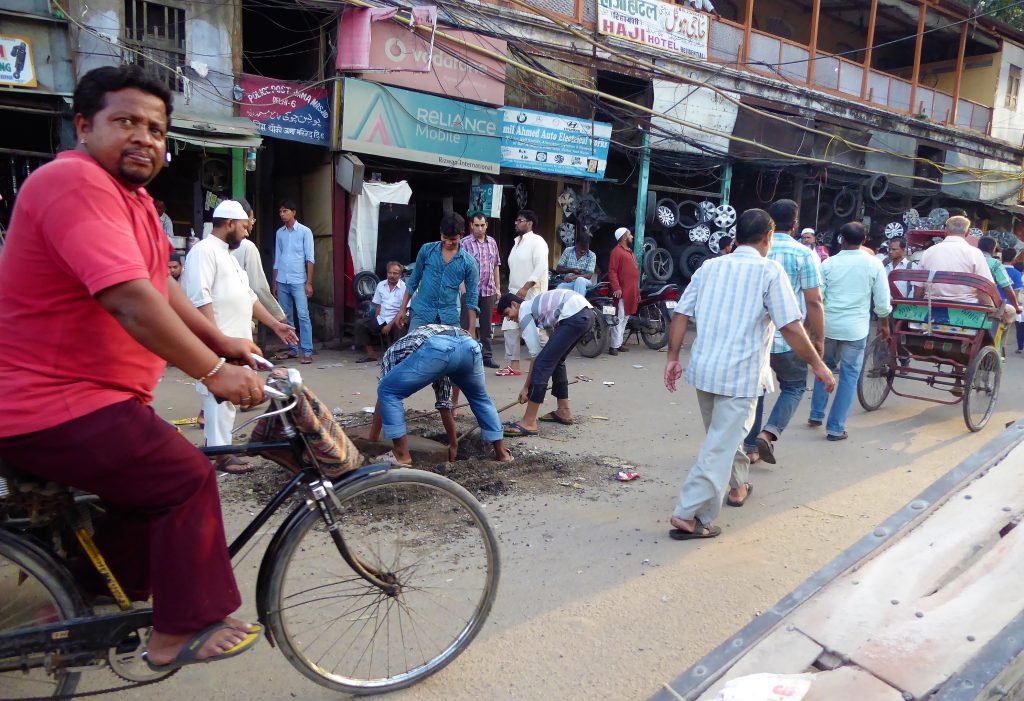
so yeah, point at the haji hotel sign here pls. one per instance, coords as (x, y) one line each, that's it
(661, 25)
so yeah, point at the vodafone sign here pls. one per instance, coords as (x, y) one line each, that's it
(400, 57)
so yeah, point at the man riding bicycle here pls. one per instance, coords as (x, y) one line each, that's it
(84, 280)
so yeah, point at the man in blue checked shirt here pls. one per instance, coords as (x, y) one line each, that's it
(729, 365)
(441, 268)
(803, 268)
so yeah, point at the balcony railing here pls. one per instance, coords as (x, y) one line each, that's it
(787, 60)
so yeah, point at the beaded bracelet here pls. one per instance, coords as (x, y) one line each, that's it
(216, 369)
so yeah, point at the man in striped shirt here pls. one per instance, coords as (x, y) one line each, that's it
(484, 250)
(567, 316)
(729, 365)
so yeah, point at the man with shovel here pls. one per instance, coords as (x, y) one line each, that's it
(441, 355)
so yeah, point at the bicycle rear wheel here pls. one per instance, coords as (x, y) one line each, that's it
(342, 632)
(33, 591)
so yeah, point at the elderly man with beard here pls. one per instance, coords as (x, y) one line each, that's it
(218, 287)
(85, 268)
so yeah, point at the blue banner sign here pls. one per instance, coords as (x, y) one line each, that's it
(552, 143)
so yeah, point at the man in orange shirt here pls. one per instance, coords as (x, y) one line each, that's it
(625, 279)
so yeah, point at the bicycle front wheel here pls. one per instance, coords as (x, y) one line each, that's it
(427, 533)
(33, 592)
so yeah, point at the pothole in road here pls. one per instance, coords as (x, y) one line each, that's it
(534, 470)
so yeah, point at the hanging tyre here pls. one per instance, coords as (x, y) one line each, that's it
(692, 258)
(658, 265)
(650, 243)
(875, 187)
(666, 214)
(652, 206)
(688, 214)
(364, 285)
(844, 202)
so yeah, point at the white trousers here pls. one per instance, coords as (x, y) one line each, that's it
(219, 418)
(618, 332)
(721, 461)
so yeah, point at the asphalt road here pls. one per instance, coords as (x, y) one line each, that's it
(596, 602)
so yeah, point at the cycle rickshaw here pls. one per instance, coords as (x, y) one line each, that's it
(947, 345)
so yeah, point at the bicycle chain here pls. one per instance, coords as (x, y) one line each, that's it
(98, 692)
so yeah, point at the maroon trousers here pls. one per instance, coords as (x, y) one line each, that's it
(163, 533)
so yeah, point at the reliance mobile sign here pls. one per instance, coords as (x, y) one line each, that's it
(396, 123)
(286, 110)
(661, 25)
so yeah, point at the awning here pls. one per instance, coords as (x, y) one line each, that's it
(218, 132)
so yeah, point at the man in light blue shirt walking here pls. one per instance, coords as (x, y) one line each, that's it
(803, 268)
(293, 278)
(729, 365)
(850, 280)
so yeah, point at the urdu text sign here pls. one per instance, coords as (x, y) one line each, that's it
(411, 126)
(673, 28)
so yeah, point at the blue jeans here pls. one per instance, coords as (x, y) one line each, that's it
(294, 294)
(459, 358)
(792, 375)
(580, 285)
(848, 356)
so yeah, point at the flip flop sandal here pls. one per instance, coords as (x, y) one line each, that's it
(554, 418)
(306, 359)
(517, 430)
(187, 655)
(389, 458)
(234, 466)
(508, 372)
(740, 502)
(285, 355)
(697, 533)
(764, 449)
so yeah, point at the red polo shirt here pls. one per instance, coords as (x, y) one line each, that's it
(75, 231)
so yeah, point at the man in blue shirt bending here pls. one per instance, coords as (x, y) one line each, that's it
(441, 268)
(293, 278)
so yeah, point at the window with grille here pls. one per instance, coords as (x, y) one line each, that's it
(155, 39)
(1012, 87)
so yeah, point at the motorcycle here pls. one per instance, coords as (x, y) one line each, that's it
(654, 314)
(596, 341)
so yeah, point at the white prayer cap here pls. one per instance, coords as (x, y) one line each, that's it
(230, 209)
(808, 230)
(620, 232)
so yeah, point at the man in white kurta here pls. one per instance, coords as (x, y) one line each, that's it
(527, 278)
(216, 284)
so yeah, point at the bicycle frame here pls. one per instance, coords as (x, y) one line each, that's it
(77, 641)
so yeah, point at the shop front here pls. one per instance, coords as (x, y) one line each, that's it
(36, 84)
(436, 146)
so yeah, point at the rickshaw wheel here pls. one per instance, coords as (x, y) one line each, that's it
(981, 387)
(875, 381)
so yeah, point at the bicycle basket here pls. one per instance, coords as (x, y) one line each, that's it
(332, 450)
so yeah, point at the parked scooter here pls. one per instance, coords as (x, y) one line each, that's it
(596, 341)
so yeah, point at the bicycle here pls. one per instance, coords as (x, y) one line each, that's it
(370, 584)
